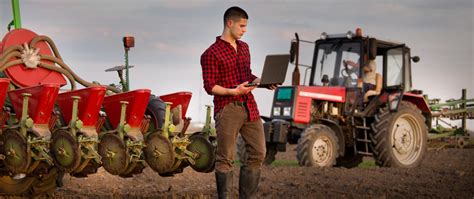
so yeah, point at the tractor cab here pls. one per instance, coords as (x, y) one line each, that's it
(339, 74)
(361, 64)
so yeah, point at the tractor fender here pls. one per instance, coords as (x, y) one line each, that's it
(418, 101)
(339, 133)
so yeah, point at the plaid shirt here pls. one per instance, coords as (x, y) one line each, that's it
(223, 66)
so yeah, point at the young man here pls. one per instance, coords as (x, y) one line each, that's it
(226, 74)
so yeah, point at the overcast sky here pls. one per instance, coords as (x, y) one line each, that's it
(171, 35)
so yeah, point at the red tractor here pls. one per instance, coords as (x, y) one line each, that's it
(46, 132)
(335, 121)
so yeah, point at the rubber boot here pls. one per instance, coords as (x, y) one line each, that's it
(224, 183)
(248, 183)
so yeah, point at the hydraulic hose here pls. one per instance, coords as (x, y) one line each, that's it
(16, 52)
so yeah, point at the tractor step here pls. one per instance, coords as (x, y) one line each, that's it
(361, 137)
(363, 127)
(363, 140)
(364, 153)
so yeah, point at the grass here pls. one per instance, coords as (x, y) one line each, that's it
(367, 164)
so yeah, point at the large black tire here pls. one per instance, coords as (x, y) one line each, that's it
(242, 152)
(31, 186)
(350, 159)
(399, 139)
(156, 109)
(317, 147)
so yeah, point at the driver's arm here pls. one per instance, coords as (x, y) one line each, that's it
(351, 63)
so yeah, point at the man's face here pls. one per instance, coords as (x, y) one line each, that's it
(237, 28)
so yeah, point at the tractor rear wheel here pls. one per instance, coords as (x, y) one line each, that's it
(317, 147)
(399, 139)
(30, 186)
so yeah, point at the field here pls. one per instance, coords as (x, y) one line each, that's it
(444, 173)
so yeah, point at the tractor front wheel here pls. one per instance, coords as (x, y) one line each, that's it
(317, 147)
(399, 139)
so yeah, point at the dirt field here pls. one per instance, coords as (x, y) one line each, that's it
(445, 173)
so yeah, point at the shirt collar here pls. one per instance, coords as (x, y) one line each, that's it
(219, 40)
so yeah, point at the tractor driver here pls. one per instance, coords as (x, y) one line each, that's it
(371, 82)
(226, 63)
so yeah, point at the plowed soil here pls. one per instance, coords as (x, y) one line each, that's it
(444, 173)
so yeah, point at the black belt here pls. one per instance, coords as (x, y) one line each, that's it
(239, 103)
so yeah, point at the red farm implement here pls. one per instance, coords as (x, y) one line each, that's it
(46, 132)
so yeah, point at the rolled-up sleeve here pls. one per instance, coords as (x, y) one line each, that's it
(210, 71)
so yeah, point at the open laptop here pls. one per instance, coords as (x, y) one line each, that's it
(274, 70)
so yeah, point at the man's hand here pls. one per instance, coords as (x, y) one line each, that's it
(242, 89)
(272, 86)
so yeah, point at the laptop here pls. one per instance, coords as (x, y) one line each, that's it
(274, 70)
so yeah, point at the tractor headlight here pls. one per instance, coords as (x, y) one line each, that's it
(276, 111)
(286, 111)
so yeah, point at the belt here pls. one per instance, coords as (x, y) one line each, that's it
(239, 103)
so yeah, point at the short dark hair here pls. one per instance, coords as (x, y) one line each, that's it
(234, 13)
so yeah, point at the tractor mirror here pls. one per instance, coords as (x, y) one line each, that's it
(325, 80)
(372, 48)
(293, 50)
(415, 59)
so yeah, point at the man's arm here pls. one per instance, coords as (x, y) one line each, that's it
(240, 90)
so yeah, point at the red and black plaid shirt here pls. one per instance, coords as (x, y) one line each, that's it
(223, 66)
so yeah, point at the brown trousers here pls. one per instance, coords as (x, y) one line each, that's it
(231, 120)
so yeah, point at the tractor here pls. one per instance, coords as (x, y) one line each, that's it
(333, 121)
(48, 131)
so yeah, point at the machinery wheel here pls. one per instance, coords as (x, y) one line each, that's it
(159, 153)
(65, 151)
(350, 159)
(317, 147)
(30, 186)
(271, 149)
(16, 150)
(156, 109)
(399, 139)
(206, 152)
(115, 157)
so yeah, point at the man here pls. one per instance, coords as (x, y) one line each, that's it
(226, 74)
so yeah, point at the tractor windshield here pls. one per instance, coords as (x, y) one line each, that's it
(330, 61)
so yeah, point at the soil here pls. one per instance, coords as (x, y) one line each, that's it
(444, 173)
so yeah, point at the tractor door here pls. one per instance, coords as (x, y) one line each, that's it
(394, 75)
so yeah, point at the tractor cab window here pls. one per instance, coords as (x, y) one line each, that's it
(394, 73)
(329, 62)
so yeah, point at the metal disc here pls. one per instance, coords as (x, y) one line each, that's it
(65, 150)
(115, 157)
(16, 151)
(206, 153)
(159, 153)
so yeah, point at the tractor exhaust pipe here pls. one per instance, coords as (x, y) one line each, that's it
(294, 52)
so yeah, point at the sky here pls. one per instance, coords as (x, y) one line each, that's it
(171, 35)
